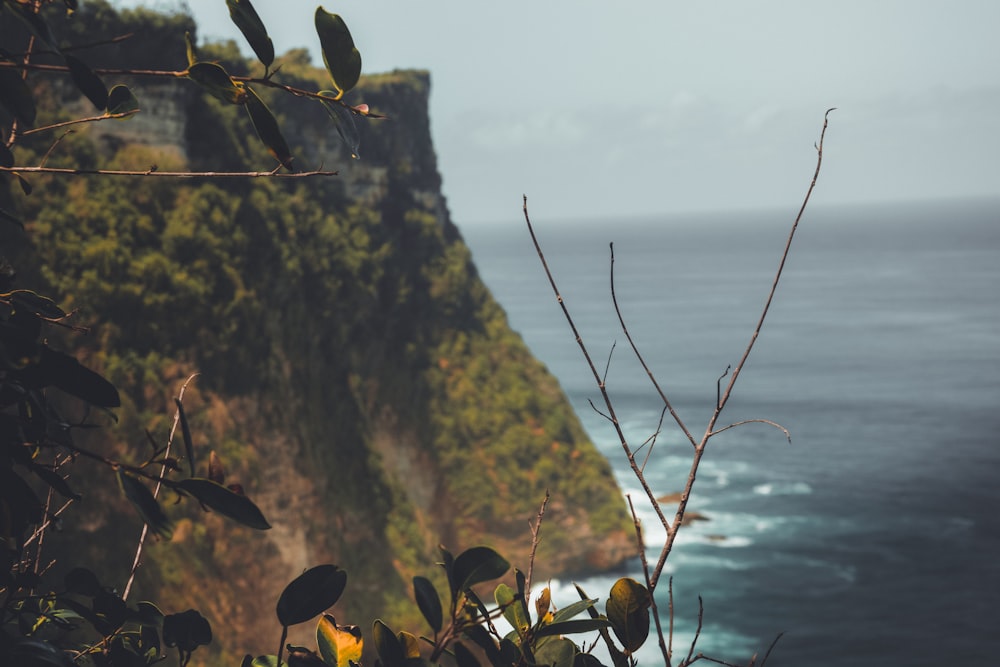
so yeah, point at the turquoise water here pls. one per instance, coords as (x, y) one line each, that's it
(874, 538)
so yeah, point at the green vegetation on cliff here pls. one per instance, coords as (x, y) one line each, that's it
(355, 373)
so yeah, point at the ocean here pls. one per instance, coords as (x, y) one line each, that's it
(873, 539)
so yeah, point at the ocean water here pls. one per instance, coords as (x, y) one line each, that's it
(873, 539)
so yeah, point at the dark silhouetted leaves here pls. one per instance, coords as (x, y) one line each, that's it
(246, 19)
(217, 82)
(55, 480)
(389, 648)
(343, 120)
(341, 57)
(267, 129)
(464, 656)
(63, 371)
(310, 594)
(428, 601)
(122, 101)
(35, 303)
(226, 502)
(628, 611)
(572, 627)
(476, 565)
(6, 157)
(186, 435)
(37, 653)
(88, 82)
(144, 502)
(16, 97)
(187, 630)
(35, 23)
(338, 645)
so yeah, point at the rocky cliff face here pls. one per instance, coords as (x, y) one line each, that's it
(356, 375)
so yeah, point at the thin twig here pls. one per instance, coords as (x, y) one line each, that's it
(776, 425)
(535, 531)
(771, 648)
(90, 119)
(697, 631)
(156, 489)
(645, 571)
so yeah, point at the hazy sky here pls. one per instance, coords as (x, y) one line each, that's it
(622, 108)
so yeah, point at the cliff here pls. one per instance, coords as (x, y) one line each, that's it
(356, 376)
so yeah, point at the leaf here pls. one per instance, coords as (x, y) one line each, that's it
(6, 157)
(428, 601)
(36, 303)
(513, 611)
(557, 653)
(464, 657)
(338, 645)
(572, 627)
(187, 630)
(267, 129)
(192, 52)
(628, 611)
(390, 651)
(227, 503)
(341, 57)
(246, 19)
(217, 82)
(15, 96)
(144, 502)
(37, 653)
(122, 101)
(35, 23)
(186, 435)
(482, 638)
(571, 610)
(63, 371)
(343, 120)
(310, 594)
(55, 480)
(88, 82)
(478, 564)
(411, 647)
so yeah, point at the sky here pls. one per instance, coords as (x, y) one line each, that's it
(619, 109)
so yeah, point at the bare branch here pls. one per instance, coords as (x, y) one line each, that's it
(771, 648)
(91, 119)
(535, 532)
(755, 421)
(645, 571)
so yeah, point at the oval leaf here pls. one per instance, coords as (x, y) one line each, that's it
(217, 82)
(246, 19)
(187, 630)
(342, 59)
(144, 502)
(476, 565)
(343, 120)
(122, 101)
(186, 435)
(556, 653)
(338, 645)
(429, 602)
(63, 371)
(16, 97)
(464, 656)
(267, 129)
(36, 303)
(227, 503)
(89, 83)
(572, 627)
(310, 594)
(511, 608)
(628, 611)
(390, 651)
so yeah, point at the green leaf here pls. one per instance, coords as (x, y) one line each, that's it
(338, 645)
(227, 503)
(428, 601)
(88, 82)
(263, 661)
(389, 648)
(512, 609)
(556, 653)
(15, 96)
(144, 502)
(411, 647)
(40, 305)
(186, 435)
(569, 611)
(192, 52)
(478, 564)
(341, 57)
(246, 19)
(217, 82)
(310, 594)
(628, 611)
(122, 101)
(572, 627)
(343, 120)
(267, 129)
(464, 656)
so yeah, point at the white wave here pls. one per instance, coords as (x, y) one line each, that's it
(783, 489)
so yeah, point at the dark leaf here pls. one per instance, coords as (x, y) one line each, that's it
(35, 303)
(225, 502)
(478, 564)
(55, 480)
(343, 120)
(310, 594)
(122, 101)
(187, 630)
(216, 81)
(428, 601)
(339, 645)
(63, 371)
(35, 23)
(481, 636)
(341, 57)
(586, 660)
(246, 19)
(23, 182)
(572, 627)
(267, 129)
(628, 611)
(299, 656)
(556, 653)
(15, 96)
(36, 653)
(88, 82)
(6, 157)
(390, 651)
(186, 435)
(464, 657)
(142, 499)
